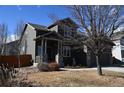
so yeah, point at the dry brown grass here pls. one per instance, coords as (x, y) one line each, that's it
(77, 78)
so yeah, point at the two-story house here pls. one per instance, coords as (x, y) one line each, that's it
(53, 43)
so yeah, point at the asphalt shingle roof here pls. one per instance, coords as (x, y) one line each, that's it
(38, 27)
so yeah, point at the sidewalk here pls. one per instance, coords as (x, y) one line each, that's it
(116, 69)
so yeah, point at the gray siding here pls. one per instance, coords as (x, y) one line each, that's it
(28, 36)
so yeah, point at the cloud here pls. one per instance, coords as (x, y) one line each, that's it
(11, 38)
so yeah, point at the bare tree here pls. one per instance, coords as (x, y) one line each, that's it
(53, 17)
(3, 38)
(19, 30)
(98, 23)
(18, 38)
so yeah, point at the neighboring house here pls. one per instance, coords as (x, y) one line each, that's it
(11, 48)
(118, 50)
(56, 43)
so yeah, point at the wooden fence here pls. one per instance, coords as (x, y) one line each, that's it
(25, 60)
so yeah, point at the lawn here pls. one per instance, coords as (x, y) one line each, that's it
(76, 79)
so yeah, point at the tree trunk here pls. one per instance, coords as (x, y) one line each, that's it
(19, 65)
(99, 70)
(2, 51)
(18, 56)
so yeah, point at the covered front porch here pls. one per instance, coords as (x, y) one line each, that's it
(49, 48)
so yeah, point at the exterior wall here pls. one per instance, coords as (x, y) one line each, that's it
(24, 44)
(105, 60)
(116, 50)
(28, 36)
(61, 30)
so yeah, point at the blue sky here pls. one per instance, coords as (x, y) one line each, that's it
(11, 15)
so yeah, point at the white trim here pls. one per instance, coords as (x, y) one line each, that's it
(31, 26)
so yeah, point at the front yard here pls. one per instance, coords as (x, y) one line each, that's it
(75, 79)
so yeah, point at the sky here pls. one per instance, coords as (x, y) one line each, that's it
(11, 15)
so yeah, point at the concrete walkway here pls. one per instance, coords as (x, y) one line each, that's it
(116, 69)
(77, 69)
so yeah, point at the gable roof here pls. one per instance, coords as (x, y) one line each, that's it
(117, 35)
(13, 42)
(38, 27)
(65, 20)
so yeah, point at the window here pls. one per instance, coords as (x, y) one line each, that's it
(67, 31)
(66, 51)
(122, 59)
(122, 53)
(122, 47)
(122, 41)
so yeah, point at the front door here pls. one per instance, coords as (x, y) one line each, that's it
(52, 50)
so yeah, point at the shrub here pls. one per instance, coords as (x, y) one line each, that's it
(54, 66)
(42, 66)
(6, 74)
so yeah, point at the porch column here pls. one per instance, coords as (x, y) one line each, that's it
(61, 57)
(42, 52)
(58, 53)
(61, 48)
(45, 52)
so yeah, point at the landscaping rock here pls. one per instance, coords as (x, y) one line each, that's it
(43, 66)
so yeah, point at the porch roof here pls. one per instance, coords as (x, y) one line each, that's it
(50, 35)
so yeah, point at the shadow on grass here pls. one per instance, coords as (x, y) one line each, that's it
(117, 63)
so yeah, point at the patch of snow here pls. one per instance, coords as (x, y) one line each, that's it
(119, 29)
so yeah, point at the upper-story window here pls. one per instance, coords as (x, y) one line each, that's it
(67, 31)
